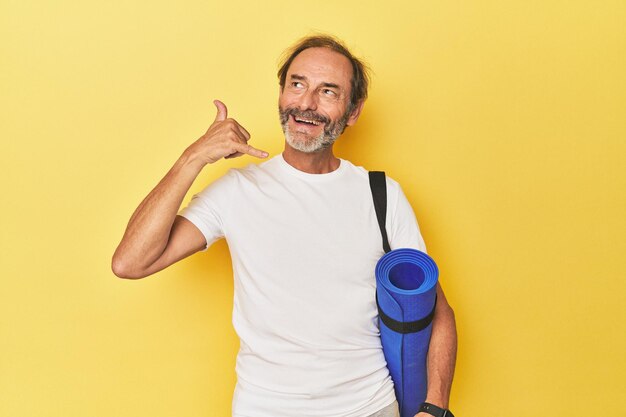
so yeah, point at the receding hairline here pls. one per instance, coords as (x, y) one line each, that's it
(360, 79)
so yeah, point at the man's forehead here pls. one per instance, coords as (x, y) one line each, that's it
(323, 64)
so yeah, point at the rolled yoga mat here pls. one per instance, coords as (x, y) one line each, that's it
(406, 297)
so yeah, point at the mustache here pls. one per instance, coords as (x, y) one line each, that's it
(305, 114)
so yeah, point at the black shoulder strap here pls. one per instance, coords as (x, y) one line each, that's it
(378, 185)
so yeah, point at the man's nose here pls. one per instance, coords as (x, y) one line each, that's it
(308, 100)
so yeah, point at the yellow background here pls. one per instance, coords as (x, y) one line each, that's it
(503, 120)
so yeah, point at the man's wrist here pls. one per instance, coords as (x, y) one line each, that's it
(190, 161)
(439, 401)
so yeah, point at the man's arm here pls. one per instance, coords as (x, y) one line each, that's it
(441, 354)
(155, 236)
(442, 348)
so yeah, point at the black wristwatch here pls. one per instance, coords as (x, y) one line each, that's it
(433, 410)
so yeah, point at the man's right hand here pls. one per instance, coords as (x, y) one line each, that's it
(225, 138)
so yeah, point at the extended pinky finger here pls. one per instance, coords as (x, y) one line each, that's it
(250, 150)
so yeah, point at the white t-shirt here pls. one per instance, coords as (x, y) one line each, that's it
(304, 248)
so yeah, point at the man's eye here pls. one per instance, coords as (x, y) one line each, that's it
(296, 84)
(329, 93)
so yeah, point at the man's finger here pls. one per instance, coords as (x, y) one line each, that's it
(245, 148)
(244, 132)
(233, 155)
(222, 111)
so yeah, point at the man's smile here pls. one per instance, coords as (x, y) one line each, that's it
(304, 120)
(305, 123)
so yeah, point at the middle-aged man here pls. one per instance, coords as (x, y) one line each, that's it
(304, 240)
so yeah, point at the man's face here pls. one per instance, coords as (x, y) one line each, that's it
(313, 105)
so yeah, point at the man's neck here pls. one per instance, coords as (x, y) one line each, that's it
(321, 162)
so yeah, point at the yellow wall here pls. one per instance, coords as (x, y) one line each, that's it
(503, 120)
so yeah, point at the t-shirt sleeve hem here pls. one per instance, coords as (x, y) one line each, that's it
(197, 221)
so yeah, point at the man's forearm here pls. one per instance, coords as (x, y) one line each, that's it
(441, 353)
(149, 227)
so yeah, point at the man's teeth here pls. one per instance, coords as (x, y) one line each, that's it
(313, 122)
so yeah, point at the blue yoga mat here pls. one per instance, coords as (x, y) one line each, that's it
(406, 294)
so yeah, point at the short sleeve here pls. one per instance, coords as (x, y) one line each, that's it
(206, 208)
(402, 225)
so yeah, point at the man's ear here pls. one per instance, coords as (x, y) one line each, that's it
(356, 112)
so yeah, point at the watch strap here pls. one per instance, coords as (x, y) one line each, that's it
(433, 410)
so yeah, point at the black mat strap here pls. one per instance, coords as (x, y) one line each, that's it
(409, 326)
(378, 185)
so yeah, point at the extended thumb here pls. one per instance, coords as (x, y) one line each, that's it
(222, 111)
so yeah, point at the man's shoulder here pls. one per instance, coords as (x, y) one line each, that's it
(233, 185)
(364, 172)
(253, 169)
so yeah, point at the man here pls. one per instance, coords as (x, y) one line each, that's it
(304, 241)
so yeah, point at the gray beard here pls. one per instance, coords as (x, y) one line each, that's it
(324, 140)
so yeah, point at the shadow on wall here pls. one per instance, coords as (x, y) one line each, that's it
(208, 271)
(360, 143)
